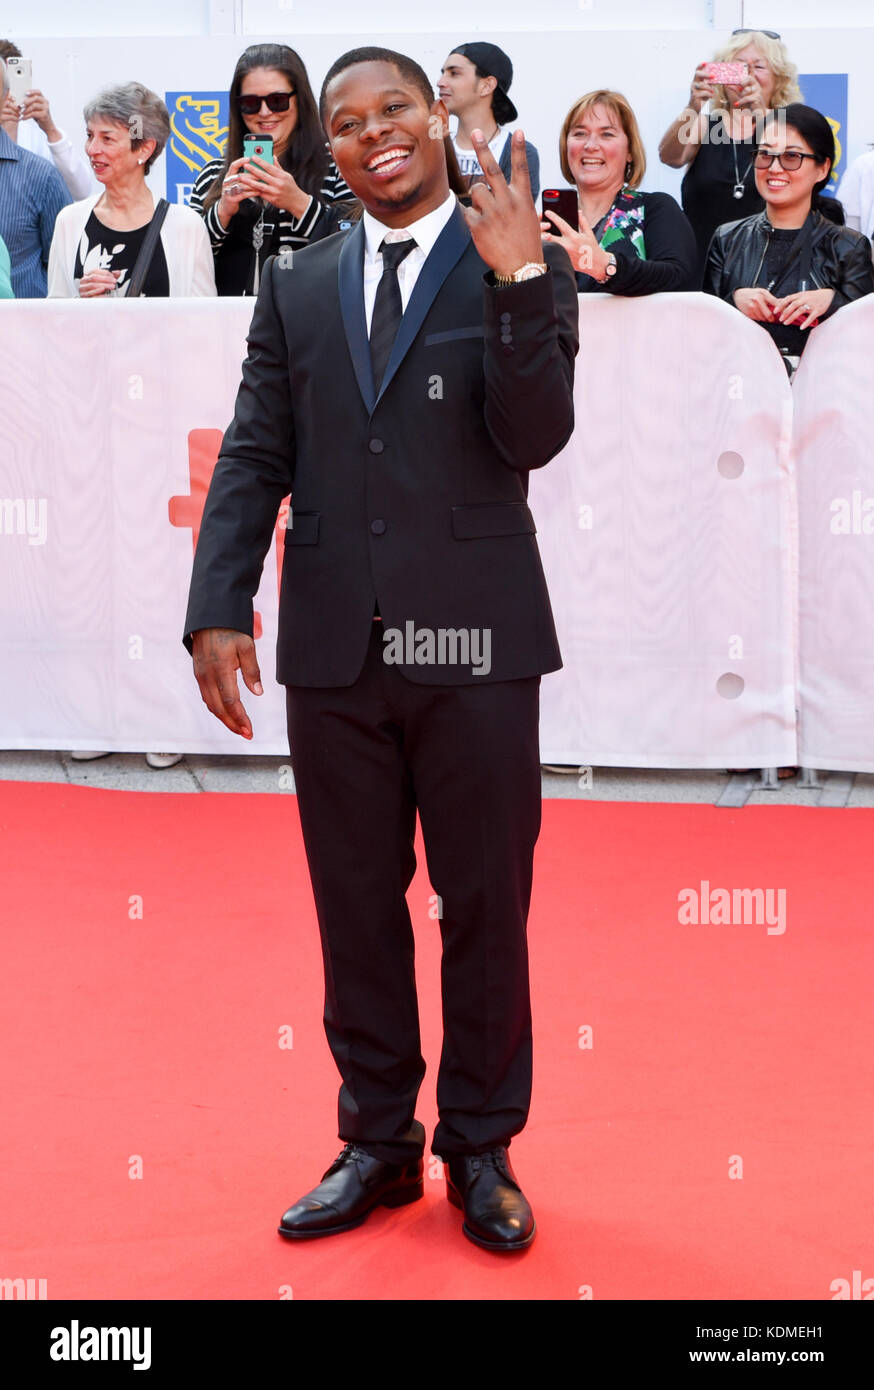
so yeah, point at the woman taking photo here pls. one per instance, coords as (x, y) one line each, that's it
(254, 208)
(626, 242)
(718, 146)
(118, 242)
(790, 267)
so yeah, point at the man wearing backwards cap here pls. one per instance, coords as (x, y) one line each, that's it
(473, 84)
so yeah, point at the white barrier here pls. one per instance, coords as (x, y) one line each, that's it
(667, 529)
(99, 402)
(666, 532)
(832, 439)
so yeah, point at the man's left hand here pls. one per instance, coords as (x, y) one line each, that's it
(503, 220)
(36, 107)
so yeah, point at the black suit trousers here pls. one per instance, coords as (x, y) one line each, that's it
(366, 758)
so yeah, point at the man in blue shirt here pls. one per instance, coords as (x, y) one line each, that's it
(32, 194)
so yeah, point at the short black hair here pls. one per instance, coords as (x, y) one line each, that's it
(408, 68)
(813, 127)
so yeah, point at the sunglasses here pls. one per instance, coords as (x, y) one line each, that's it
(788, 160)
(768, 33)
(276, 101)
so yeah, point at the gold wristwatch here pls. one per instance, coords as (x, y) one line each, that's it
(529, 271)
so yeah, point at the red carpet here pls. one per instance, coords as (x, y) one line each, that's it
(156, 1039)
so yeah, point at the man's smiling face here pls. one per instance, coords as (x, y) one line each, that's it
(387, 142)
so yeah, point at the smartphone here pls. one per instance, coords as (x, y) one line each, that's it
(562, 201)
(260, 145)
(728, 74)
(19, 74)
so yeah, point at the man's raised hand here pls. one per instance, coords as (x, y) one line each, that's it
(219, 652)
(503, 220)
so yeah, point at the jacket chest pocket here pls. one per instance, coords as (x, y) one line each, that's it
(453, 335)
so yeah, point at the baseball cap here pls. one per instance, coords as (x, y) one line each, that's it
(494, 62)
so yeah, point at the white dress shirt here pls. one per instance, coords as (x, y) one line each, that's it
(425, 232)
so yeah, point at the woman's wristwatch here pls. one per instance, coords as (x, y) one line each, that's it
(529, 271)
(609, 269)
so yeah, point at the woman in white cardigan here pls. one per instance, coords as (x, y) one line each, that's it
(97, 241)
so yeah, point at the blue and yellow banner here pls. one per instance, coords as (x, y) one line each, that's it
(198, 133)
(827, 92)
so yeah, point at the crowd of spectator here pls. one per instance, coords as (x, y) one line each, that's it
(72, 226)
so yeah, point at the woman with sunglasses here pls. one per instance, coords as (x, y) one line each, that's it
(253, 208)
(790, 267)
(716, 147)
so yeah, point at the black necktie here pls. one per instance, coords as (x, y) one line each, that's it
(387, 310)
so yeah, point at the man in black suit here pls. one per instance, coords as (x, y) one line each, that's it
(401, 381)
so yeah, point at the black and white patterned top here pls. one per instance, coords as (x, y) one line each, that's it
(102, 248)
(259, 230)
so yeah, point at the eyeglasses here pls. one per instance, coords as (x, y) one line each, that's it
(788, 160)
(276, 101)
(768, 33)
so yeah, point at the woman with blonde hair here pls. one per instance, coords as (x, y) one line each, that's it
(626, 242)
(718, 146)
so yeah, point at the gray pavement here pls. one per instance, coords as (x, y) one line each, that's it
(200, 772)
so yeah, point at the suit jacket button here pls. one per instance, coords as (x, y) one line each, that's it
(376, 446)
(378, 526)
(505, 318)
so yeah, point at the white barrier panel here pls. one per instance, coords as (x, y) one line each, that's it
(673, 594)
(666, 529)
(110, 410)
(832, 440)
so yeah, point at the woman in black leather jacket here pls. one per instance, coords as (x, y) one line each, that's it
(790, 267)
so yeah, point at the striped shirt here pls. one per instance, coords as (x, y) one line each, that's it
(32, 194)
(235, 273)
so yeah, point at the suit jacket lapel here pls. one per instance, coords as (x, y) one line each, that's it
(351, 282)
(449, 247)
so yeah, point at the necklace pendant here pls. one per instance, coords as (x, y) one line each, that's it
(738, 190)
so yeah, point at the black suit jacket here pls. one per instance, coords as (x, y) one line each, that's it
(414, 498)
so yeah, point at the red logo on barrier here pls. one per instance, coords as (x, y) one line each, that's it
(187, 510)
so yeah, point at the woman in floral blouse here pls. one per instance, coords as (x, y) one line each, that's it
(627, 242)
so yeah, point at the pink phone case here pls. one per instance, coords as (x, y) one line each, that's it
(728, 74)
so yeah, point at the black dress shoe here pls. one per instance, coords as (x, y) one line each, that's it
(484, 1187)
(355, 1183)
